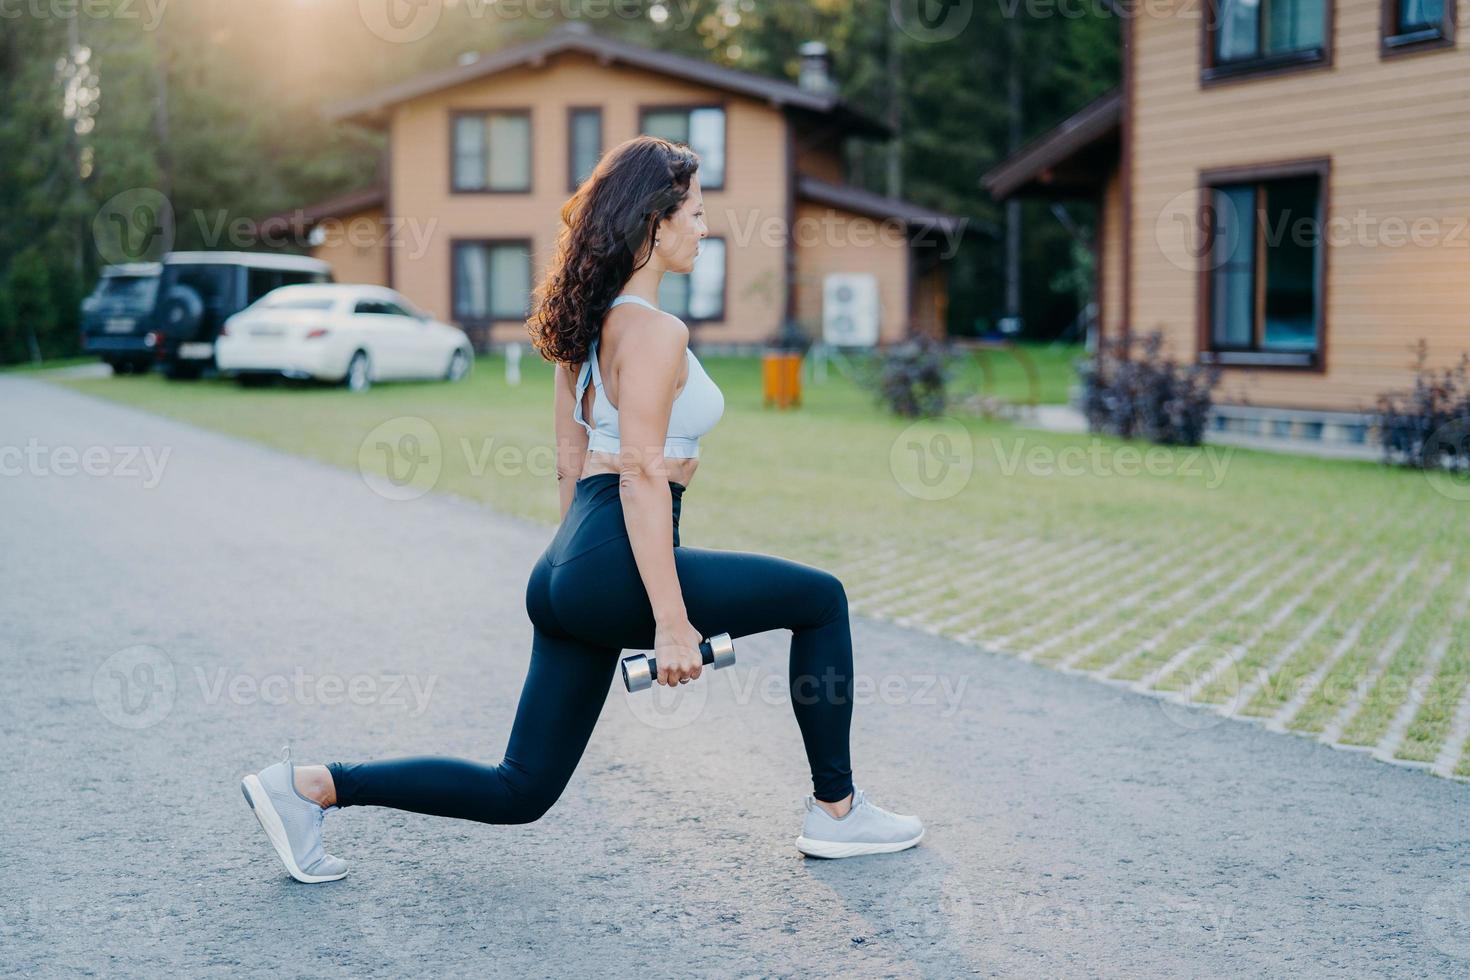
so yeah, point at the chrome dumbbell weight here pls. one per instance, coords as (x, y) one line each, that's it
(640, 671)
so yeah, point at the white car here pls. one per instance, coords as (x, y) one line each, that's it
(354, 334)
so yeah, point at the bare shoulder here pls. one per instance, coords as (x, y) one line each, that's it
(638, 315)
(649, 332)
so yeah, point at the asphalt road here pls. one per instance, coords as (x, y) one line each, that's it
(176, 604)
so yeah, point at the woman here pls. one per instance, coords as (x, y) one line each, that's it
(614, 576)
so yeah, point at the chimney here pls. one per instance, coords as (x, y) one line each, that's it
(816, 69)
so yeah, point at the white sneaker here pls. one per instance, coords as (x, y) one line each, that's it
(291, 822)
(866, 829)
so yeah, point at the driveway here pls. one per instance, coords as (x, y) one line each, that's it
(176, 604)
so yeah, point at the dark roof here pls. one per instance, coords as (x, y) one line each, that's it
(875, 205)
(844, 196)
(1072, 156)
(369, 109)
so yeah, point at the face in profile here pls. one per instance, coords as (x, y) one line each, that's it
(679, 235)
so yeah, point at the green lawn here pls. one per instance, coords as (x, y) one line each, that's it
(1026, 373)
(1329, 596)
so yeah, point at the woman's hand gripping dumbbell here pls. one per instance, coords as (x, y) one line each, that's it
(640, 671)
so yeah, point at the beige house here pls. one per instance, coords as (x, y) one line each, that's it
(482, 156)
(1284, 190)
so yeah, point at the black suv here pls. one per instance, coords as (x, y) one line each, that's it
(114, 317)
(198, 291)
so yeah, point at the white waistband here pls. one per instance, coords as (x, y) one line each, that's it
(675, 447)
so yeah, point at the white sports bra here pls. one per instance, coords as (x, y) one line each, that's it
(695, 411)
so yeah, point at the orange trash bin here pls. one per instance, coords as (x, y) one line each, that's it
(781, 378)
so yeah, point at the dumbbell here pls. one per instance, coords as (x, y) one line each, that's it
(639, 671)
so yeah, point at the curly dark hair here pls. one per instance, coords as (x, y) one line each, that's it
(606, 236)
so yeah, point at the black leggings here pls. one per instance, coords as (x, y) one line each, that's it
(587, 604)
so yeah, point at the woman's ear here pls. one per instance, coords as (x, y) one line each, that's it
(655, 238)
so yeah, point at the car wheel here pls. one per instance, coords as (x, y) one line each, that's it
(182, 310)
(459, 366)
(358, 376)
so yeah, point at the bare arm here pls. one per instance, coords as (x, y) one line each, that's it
(646, 380)
(571, 438)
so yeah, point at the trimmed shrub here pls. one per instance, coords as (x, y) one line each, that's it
(789, 337)
(1146, 395)
(40, 300)
(1429, 425)
(911, 377)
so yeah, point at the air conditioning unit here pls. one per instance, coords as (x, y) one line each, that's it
(850, 311)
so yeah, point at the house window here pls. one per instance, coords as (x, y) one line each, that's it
(374, 307)
(492, 281)
(584, 140)
(1265, 269)
(492, 151)
(700, 295)
(1248, 36)
(702, 128)
(1413, 25)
